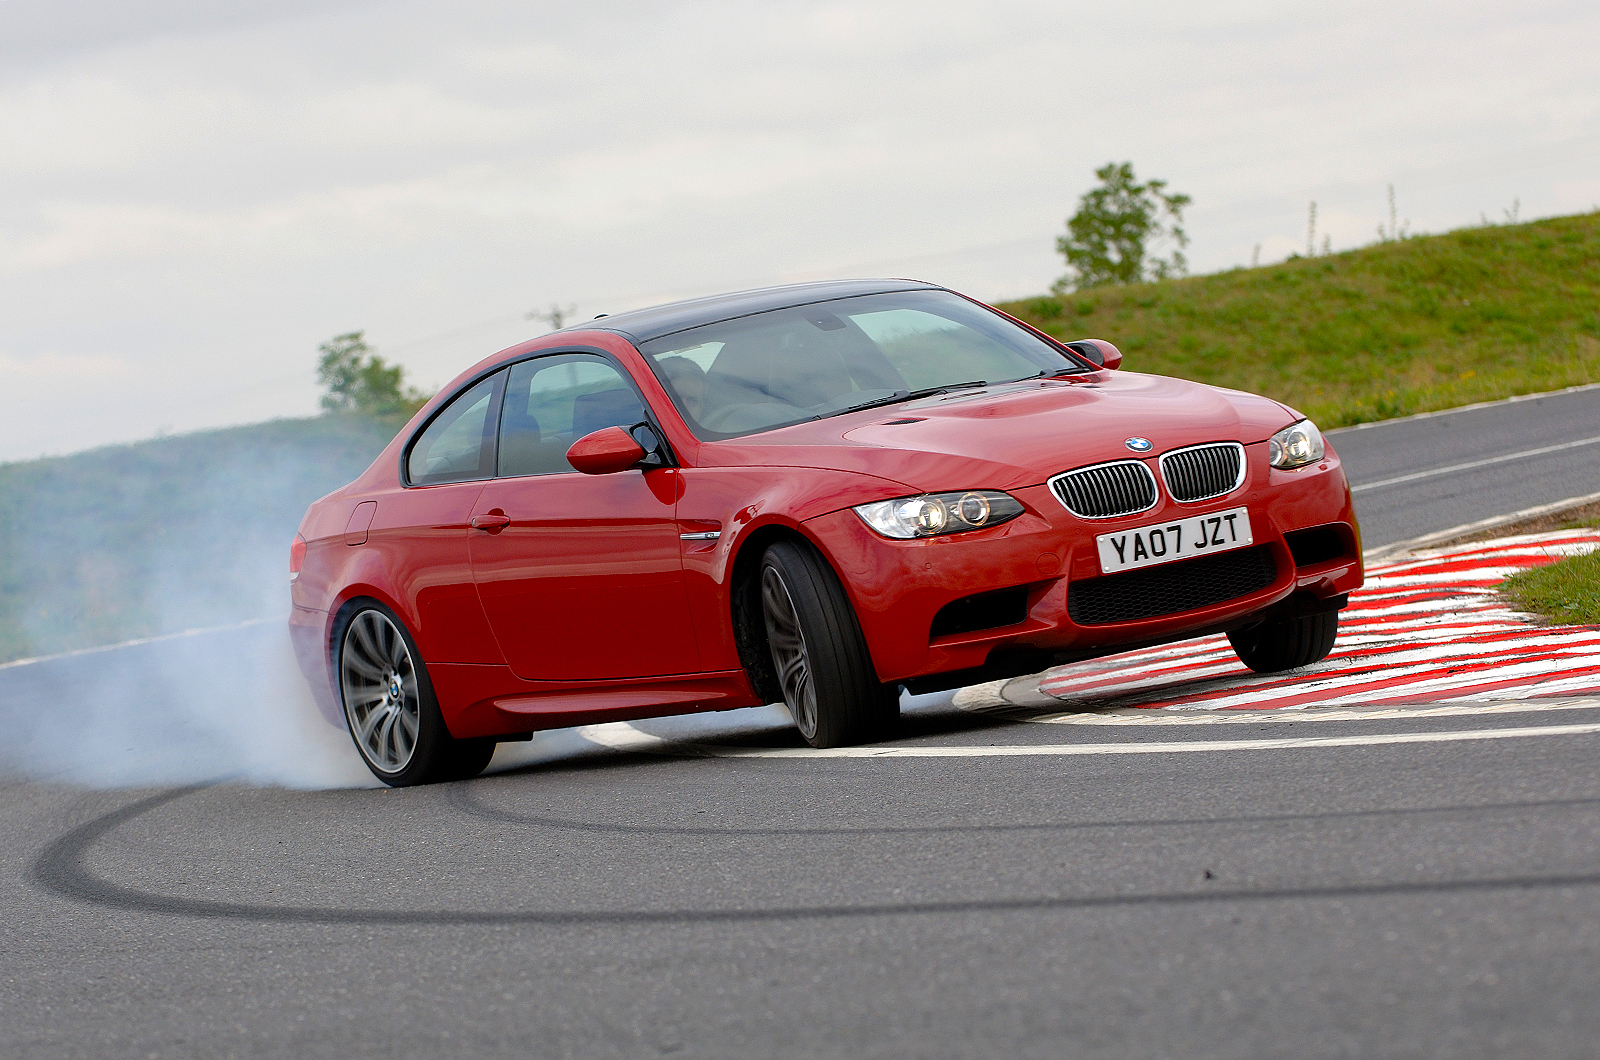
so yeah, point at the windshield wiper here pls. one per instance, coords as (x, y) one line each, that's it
(911, 395)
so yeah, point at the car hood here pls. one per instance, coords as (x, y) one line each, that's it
(1012, 435)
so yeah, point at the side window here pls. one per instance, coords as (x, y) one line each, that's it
(551, 402)
(458, 445)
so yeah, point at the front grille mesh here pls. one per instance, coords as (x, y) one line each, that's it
(1105, 490)
(1203, 472)
(1170, 588)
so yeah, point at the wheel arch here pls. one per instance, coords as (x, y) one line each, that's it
(349, 600)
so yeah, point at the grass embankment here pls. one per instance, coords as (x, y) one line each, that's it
(1425, 323)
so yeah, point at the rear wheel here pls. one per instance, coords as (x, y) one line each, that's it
(1286, 643)
(389, 703)
(818, 651)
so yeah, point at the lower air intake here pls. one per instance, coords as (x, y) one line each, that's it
(1170, 588)
(970, 614)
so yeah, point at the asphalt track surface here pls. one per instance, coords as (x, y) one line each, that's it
(1429, 473)
(1410, 884)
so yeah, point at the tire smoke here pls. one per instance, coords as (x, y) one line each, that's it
(224, 704)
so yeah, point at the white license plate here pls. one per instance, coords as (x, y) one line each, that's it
(1186, 538)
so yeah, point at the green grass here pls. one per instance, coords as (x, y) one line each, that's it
(1425, 323)
(1567, 591)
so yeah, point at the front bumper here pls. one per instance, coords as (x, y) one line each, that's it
(1022, 572)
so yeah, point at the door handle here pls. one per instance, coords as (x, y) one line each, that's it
(493, 523)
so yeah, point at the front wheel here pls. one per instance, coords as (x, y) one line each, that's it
(1286, 643)
(389, 703)
(820, 655)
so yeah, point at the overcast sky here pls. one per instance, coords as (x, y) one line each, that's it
(194, 194)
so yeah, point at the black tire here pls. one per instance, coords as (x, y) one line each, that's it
(824, 669)
(1286, 643)
(389, 704)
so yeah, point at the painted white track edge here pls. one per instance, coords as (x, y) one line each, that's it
(1043, 715)
(1470, 465)
(1088, 749)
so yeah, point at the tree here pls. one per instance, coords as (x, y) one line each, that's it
(358, 380)
(1110, 238)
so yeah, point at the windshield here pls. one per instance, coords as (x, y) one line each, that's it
(772, 369)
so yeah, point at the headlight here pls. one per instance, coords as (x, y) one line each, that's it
(1296, 445)
(939, 513)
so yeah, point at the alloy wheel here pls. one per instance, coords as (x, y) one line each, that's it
(789, 656)
(381, 698)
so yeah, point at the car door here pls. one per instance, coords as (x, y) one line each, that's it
(580, 575)
(421, 530)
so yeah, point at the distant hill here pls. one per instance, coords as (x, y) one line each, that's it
(1424, 323)
(164, 535)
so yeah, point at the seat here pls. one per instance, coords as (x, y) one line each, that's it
(794, 370)
(523, 450)
(811, 376)
(618, 407)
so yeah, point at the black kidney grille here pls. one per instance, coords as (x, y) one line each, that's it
(1170, 588)
(1204, 471)
(1100, 492)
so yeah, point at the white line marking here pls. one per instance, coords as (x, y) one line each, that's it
(1415, 475)
(141, 641)
(1083, 749)
(1143, 716)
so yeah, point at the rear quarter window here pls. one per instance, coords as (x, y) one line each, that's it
(458, 443)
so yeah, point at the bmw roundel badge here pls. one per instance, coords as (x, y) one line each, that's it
(1139, 445)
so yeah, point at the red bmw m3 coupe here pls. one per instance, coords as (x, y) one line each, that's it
(813, 494)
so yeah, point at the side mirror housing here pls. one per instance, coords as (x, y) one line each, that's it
(605, 452)
(1099, 351)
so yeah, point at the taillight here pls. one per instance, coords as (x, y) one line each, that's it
(297, 556)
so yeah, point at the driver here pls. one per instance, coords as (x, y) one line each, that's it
(689, 380)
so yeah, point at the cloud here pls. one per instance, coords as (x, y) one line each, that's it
(209, 191)
(52, 368)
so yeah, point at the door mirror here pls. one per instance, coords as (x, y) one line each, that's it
(605, 452)
(1099, 351)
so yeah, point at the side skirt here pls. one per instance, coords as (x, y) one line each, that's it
(491, 701)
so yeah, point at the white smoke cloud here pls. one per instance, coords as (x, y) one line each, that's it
(224, 704)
